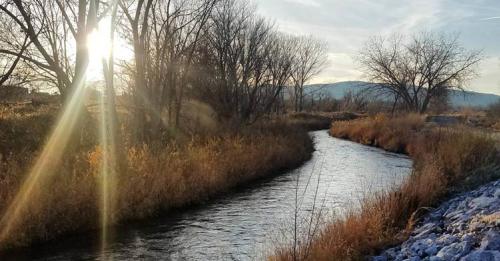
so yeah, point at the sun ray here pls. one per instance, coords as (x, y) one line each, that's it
(108, 170)
(44, 168)
(109, 164)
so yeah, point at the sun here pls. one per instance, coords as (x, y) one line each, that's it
(100, 46)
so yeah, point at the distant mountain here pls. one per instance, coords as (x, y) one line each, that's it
(457, 98)
(472, 99)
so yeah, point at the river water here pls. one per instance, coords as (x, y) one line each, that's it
(248, 223)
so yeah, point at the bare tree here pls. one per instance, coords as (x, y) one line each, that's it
(310, 60)
(56, 33)
(281, 65)
(137, 15)
(417, 70)
(244, 64)
(354, 101)
(164, 35)
(108, 65)
(7, 70)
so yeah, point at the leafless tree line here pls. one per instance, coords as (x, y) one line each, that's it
(218, 51)
(165, 36)
(418, 70)
(245, 63)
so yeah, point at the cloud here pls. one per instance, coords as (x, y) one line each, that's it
(488, 81)
(490, 18)
(341, 67)
(305, 2)
(346, 25)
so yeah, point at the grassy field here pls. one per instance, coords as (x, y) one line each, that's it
(150, 180)
(446, 160)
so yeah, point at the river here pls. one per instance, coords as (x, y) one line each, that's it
(246, 224)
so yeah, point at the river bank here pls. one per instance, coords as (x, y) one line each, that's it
(247, 221)
(446, 161)
(152, 181)
(466, 226)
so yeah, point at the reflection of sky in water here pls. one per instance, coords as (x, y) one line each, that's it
(245, 224)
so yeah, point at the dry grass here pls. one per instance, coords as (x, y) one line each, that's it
(24, 124)
(309, 121)
(496, 126)
(380, 131)
(444, 161)
(150, 180)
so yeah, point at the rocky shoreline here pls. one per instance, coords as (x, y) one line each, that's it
(466, 227)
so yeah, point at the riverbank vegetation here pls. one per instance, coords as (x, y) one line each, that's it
(446, 160)
(151, 178)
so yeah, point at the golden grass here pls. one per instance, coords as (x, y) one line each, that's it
(151, 179)
(496, 126)
(28, 125)
(444, 161)
(380, 131)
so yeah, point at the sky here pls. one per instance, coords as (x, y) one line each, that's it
(347, 24)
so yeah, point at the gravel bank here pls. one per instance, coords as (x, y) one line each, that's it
(466, 228)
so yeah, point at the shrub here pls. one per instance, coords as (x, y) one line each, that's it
(494, 110)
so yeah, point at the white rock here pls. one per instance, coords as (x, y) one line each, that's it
(431, 250)
(454, 251)
(491, 241)
(482, 202)
(446, 239)
(379, 258)
(480, 255)
(497, 193)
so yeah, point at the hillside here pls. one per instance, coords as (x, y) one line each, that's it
(457, 98)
